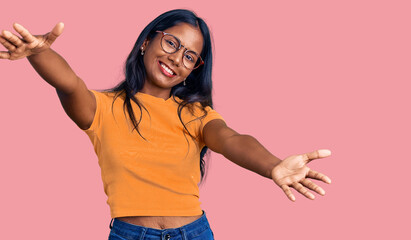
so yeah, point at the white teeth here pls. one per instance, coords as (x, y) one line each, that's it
(167, 69)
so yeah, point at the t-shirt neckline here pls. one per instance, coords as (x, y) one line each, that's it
(157, 99)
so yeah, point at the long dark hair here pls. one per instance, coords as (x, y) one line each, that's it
(198, 84)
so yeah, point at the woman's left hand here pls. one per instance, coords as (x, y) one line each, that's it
(293, 172)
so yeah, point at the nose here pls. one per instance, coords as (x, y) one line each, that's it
(177, 57)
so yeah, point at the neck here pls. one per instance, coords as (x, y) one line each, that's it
(160, 93)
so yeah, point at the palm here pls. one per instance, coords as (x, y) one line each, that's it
(293, 172)
(293, 169)
(28, 44)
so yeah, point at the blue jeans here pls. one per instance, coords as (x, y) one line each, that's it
(197, 230)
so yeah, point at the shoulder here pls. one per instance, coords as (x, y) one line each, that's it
(197, 110)
(106, 93)
(205, 114)
(106, 96)
(200, 108)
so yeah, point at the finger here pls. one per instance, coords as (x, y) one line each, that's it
(301, 189)
(4, 55)
(319, 176)
(7, 44)
(27, 36)
(288, 192)
(13, 39)
(310, 185)
(57, 30)
(322, 153)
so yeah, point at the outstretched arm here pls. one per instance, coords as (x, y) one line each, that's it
(243, 150)
(247, 152)
(78, 102)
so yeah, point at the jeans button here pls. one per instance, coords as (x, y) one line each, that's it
(167, 236)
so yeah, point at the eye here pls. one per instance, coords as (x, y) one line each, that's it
(191, 57)
(171, 43)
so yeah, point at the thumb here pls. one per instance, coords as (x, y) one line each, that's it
(322, 153)
(57, 31)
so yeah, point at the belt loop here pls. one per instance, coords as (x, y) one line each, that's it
(111, 225)
(183, 233)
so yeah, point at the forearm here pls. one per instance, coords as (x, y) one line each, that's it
(54, 70)
(247, 152)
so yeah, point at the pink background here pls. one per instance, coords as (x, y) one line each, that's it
(297, 75)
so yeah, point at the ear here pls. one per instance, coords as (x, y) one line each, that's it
(144, 45)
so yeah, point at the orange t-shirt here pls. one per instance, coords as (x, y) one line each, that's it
(157, 177)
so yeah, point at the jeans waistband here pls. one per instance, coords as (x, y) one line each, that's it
(196, 226)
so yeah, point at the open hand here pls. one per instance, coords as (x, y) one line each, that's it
(28, 44)
(293, 172)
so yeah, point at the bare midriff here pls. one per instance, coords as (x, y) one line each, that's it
(160, 222)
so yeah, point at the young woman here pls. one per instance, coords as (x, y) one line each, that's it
(151, 131)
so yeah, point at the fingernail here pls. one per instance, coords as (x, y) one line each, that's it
(326, 151)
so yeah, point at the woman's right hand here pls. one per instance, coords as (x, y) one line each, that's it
(29, 44)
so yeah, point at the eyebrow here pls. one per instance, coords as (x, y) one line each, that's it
(183, 44)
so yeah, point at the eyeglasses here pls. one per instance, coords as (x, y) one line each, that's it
(171, 44)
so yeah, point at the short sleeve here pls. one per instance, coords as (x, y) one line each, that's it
(211, 115)
(98, 115)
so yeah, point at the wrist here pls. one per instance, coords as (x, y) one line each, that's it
(34, 55)
(273, 163)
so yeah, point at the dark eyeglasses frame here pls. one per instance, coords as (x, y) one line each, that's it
(180, 46)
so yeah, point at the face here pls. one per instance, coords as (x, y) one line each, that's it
(158, 63)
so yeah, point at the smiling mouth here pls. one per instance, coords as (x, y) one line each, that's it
(166, 70)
